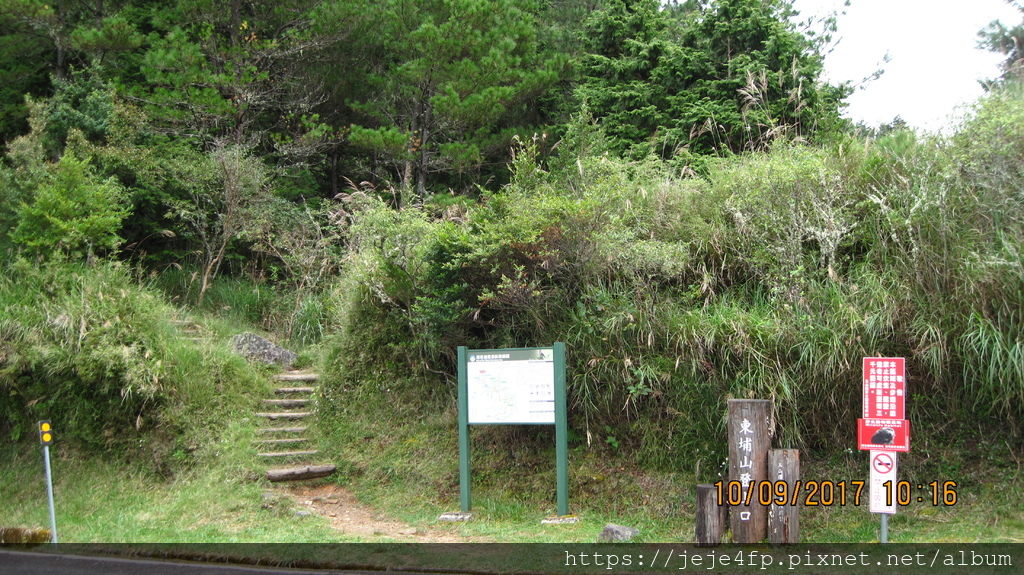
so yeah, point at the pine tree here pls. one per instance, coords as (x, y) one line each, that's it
(445, 77)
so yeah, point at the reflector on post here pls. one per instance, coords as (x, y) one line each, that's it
(45, 432)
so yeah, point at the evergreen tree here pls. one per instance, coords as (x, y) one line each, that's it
(627, 43)
(446, 76)
(40, 39)
(72, 210)
(716, 76)
(233, 74)
(1006, 40)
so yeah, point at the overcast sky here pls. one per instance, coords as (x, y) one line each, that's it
(935, 65)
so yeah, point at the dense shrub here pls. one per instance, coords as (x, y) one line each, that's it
(771, 277)
(90, 349)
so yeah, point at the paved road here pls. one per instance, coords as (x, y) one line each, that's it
(36, 563)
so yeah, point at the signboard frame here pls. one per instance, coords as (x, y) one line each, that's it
(884, 430)
(559, 420)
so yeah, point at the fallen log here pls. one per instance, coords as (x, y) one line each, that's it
(296, 377)
(286, 403)
(298, 473)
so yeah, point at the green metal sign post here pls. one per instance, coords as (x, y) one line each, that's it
(513, 387)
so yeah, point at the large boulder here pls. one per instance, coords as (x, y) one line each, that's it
(255, 348)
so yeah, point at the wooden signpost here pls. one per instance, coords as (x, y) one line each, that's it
(711, 517)
(748, 467)
(758, 496)
(784, 520)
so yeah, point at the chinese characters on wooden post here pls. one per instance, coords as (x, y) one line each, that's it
(748, 465)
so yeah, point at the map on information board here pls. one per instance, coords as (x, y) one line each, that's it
(511, 385)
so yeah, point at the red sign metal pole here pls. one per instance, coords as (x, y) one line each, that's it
(883, 429)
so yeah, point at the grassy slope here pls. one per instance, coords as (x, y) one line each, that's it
(408, 465)
(409, 472)
(400, 456)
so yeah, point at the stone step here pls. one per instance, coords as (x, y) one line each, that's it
(288, 390)
(286, 402)
(292, 415)
(297, 377)
(299, 473)
(289, 453)
(282, 430)
(281, 441)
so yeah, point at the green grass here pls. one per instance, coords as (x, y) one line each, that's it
(222, 501)
(99, 500)
(403, 459)
(400, 458)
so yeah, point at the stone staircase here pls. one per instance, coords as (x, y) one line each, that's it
(284, 439)
(190, 330)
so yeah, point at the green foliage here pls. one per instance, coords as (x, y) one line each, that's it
(307, 243)
(626, 44)
(21, 72)
(82, 103)
(231, 75)
(770, 277)
(725, 76)
(1003, 39)
(445, 77)
(78, 347)
(88, 348)
(784, 201)
(72, 211)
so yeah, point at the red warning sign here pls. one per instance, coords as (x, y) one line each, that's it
(883, 434)
(885, 388)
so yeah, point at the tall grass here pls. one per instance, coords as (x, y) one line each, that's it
(772, 277)
(84, 345)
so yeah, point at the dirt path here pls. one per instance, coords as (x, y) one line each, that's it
(354, 519)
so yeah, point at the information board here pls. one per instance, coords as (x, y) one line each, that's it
(511, 386)
(884, 425)
(514, 386)
(883, 434)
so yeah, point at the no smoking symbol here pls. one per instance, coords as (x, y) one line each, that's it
(882, 463)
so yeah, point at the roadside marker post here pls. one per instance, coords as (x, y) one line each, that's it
(883, 431)
(45, 439)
